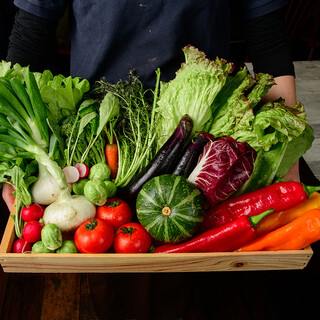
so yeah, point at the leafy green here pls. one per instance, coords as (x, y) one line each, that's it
(61, 94)
(295, 149)
(134, 130)
(233, 109)
(11, 71)
(84, 132)
(225, 103)
(20, 174)
(191, 92)
(273, 122)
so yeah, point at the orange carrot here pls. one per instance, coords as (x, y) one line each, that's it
(279, 219)
(295, 235)
(111, 153)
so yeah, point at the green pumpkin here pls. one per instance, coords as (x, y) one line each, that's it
(170, 208)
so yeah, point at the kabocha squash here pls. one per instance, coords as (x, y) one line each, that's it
(170, 208)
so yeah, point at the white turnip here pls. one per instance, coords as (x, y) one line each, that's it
(69, 211)
(46, 189)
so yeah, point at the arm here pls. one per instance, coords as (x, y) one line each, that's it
(286, 89)
(268, 48)
(33, 42)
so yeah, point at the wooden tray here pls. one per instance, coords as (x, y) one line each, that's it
(147, 262)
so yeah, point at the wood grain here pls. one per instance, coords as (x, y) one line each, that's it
(61, 297)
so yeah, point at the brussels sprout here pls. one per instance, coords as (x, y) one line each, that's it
(111, 188)
(68, 246)
(100, 171)
(96, 192)
(39, 247)
(78, 187)
(51, 236)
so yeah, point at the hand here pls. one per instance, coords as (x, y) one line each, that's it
(7, 195)
(293, 173)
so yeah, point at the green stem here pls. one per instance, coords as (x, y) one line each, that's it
(310, 189)
(256, 219)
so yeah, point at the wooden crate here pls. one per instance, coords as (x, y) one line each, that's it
(147, 262)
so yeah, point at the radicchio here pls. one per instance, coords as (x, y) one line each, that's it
(223, 167)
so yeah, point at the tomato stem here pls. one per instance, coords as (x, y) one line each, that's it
(128, 230)
(113, 204)
(91, 225)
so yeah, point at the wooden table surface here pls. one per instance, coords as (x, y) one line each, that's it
(232, 295)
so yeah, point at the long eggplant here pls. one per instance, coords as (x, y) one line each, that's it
(162, 162)
(190, 156)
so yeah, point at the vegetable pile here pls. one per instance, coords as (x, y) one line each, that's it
(195, 165)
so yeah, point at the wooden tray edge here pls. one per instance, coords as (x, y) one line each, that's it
(150, 262)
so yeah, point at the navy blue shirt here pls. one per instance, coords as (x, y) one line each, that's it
(108, 38)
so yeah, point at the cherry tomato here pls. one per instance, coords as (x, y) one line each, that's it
(21, 245)
(32, 231)
(94, 236)
(32, 212)
(116, 211)
(131, 238)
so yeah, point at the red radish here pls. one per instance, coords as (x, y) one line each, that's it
(83, 169)
(72, 174)
(32, 231)
(21, 245)
(32, 212)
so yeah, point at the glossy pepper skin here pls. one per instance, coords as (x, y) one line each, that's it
(279, 219)
(279, 196)
(222, 239)
(295, 235)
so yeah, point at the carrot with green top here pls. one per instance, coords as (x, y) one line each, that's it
(111, 150)
(111, 153)
(296, 235)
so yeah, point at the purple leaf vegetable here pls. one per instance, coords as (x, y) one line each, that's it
(223, 167)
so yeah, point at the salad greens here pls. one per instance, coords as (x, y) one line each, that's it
(192, 91)
(226, 103)
(223, 167)
(61, 94)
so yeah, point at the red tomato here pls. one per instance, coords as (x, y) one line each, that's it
(115, 211)
(32, 231)
(131, 238)
(21, 245)
(32, 212)
(94, 236)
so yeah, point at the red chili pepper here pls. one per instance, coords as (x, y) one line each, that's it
(279, 196)
(226, 238)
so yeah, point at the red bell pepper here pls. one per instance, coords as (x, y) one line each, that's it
(226, 238)
(278, 196)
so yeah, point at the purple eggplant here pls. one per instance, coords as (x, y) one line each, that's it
(190, 156)
(163, 160)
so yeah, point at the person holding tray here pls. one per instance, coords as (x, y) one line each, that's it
(109, 38)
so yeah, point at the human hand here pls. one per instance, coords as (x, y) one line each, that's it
(7, 195)
(293, 173)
